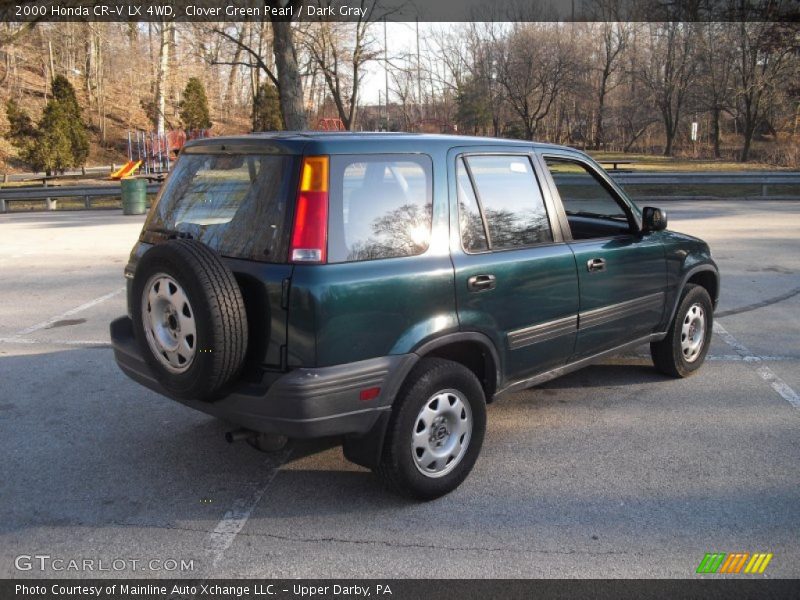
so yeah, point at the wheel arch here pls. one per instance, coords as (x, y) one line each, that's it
(473, 350)
(707, 278)
(705, 275)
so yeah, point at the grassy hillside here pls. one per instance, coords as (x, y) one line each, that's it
(122, 113)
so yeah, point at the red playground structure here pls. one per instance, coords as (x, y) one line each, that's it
(326, 124)
(155, 153)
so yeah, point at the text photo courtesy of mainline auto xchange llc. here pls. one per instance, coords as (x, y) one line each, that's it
(400, 299)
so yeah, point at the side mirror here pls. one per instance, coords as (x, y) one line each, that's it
(653, 219)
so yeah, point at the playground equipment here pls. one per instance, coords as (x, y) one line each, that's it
(126, 170)
(155, 152)
(326, 124)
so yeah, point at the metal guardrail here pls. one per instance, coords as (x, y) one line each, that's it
(50, 194)
(715, 178)
(755, 178)
(101, 171)
(711, 178)
(675, 178)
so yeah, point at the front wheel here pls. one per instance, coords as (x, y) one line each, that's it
(436, 430)
(684, 349)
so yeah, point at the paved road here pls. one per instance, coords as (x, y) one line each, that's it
(614, 471)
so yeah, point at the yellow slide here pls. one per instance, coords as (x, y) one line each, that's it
(126, 170)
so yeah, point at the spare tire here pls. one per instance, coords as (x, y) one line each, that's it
(189, 318)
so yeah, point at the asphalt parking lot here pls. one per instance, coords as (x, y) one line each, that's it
(613, 471)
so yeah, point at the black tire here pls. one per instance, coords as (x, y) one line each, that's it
(668, 354)
(218, 316)
(398, 468)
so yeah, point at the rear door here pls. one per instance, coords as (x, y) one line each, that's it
(515, 277)
(621, 272)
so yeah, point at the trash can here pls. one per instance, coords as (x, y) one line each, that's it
(134, 196)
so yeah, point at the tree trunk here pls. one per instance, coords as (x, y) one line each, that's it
(748, 139)
(601, 105)
(161, 81)
(234, 70)
(669, 134)
(290, 86)
(715, 131)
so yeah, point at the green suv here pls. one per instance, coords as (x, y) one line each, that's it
(383, 288)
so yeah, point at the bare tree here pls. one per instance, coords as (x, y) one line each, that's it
(403, 85)
(163, 73)
(340, 52)
(668, 72)
(763, 50)
(614, 41)
(483, 64)
(290, 85)
(716, 60)
(534, 65)
(286, 72)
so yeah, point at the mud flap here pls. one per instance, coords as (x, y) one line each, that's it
(366, 449)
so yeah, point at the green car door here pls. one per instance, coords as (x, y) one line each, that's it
(622, 272)
(515, 276)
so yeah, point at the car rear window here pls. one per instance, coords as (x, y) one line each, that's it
(236, 204)
(380, 206)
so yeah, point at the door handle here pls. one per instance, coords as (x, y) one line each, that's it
(596, 264)
(480, 283)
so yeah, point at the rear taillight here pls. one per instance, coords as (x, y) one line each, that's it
(310, 233)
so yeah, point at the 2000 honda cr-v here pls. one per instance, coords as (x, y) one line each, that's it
(385, 287)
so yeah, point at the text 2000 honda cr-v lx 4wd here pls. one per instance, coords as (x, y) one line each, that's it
(385, 287)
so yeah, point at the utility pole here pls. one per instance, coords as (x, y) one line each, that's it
(380, 91)
(419, 79)
(386, 71)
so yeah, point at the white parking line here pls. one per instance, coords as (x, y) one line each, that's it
(777, 384)
(234, 520)
(69, 313)
(713, 357)
(30, 342)
(739, 358)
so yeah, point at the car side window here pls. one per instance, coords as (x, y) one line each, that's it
(380, 207)
(592, 210)
(500, 204)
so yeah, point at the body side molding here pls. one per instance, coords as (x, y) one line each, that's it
(578, 364)
(612, 312)
(542, 332)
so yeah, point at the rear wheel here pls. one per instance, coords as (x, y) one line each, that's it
(684, 349)
(189, 319)
(436, 430)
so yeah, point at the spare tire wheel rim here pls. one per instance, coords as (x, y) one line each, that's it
(169, 324)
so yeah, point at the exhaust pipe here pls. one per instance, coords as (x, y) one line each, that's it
(240, 434)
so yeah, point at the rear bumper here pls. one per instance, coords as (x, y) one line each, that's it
(303, 403)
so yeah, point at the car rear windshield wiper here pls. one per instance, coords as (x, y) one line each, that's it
(171, 233)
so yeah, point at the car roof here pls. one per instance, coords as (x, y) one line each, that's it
(331, 142)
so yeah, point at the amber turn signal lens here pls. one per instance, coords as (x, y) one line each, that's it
(314, 177)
